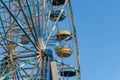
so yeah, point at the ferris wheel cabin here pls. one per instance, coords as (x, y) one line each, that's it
(58, 2)
(67, 72)
(63, 52)
(63, 35)
(55, 15)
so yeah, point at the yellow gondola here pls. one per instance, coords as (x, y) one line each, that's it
(63, 52)
(64, 34)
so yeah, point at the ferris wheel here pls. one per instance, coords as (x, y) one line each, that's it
(38, 40)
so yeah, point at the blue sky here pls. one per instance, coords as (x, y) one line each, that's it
(98, 30)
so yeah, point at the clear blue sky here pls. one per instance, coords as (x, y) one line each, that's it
(98, 30)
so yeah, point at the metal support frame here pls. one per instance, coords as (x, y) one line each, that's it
(54, 70)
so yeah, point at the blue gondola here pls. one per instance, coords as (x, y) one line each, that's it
(58, 2)
(54, 15)
(67, 72)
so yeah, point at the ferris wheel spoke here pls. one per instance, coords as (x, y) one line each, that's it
(26, 55)
(32, 73)
(17, 44)
(39, 25)
(35, 13)
(27, 75)
(30, 62)
(4, 54)
(3, 47)
(20, 75)
(32, 69)
(19, 24)
(2, 24)
(43, 7)
(17, 75)
(31, 18)
(4, 31)
(11, 72)
(26, 19)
